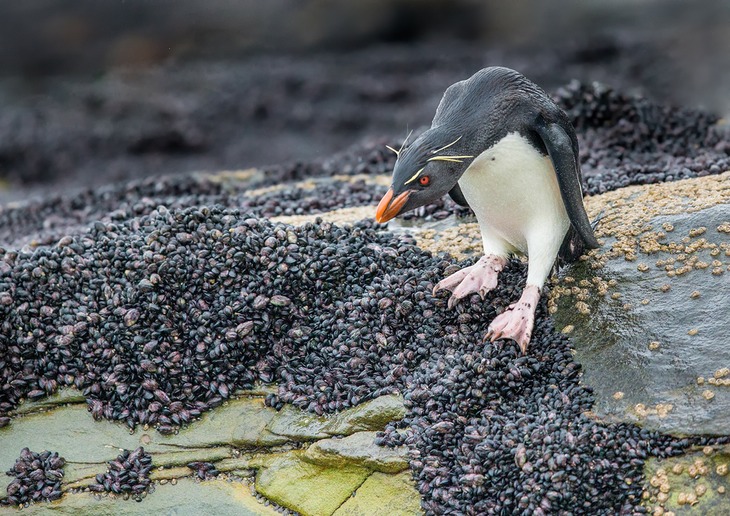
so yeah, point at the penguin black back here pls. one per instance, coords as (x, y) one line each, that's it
(514, 104)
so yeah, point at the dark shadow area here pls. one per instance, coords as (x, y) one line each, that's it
(97, 92)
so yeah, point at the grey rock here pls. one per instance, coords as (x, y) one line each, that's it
(646, 341)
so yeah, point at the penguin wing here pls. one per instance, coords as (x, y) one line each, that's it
(458, 197)
(565, 161)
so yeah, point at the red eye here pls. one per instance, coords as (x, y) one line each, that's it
(424, 180)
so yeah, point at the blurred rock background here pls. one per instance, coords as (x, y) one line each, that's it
(93, 92)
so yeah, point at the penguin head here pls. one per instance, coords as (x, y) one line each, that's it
(425, 170)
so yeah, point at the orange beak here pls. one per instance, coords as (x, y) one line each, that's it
(389, 207)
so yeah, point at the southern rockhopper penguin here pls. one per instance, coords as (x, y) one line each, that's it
(500, 145)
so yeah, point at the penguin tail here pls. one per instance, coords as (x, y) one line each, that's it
(573, 245)
(571, 249)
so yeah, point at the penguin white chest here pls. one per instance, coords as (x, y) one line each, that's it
(514, 193)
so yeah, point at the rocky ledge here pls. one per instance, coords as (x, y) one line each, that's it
(237, 454)
(158, 306)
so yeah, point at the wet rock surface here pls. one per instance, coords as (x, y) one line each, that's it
(158, 301)
(212, 449)
(696, 482)
(657, 292)
(359, 448)
(308, 488)
(392, 493)
(224, 497)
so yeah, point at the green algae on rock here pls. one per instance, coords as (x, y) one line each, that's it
(358, 449)
(393, 495)
(175, 472)
(646, 312)
(187, 497)
(82, 474)
(298, 425)
(71, 431)
(307, 488)
(244, 422)
(696, 481)
(241, 422)
(59, 398)
(371, 415)
(5, 481)
(80, 439)
(184, 456)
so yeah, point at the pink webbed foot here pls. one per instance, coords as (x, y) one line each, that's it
(518, 320)
(480, 277)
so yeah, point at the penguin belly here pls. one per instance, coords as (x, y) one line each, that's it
(514, 192)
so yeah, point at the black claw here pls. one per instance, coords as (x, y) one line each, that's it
(452, 302)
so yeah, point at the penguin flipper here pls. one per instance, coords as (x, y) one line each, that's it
(456, 194)
(565, 161)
